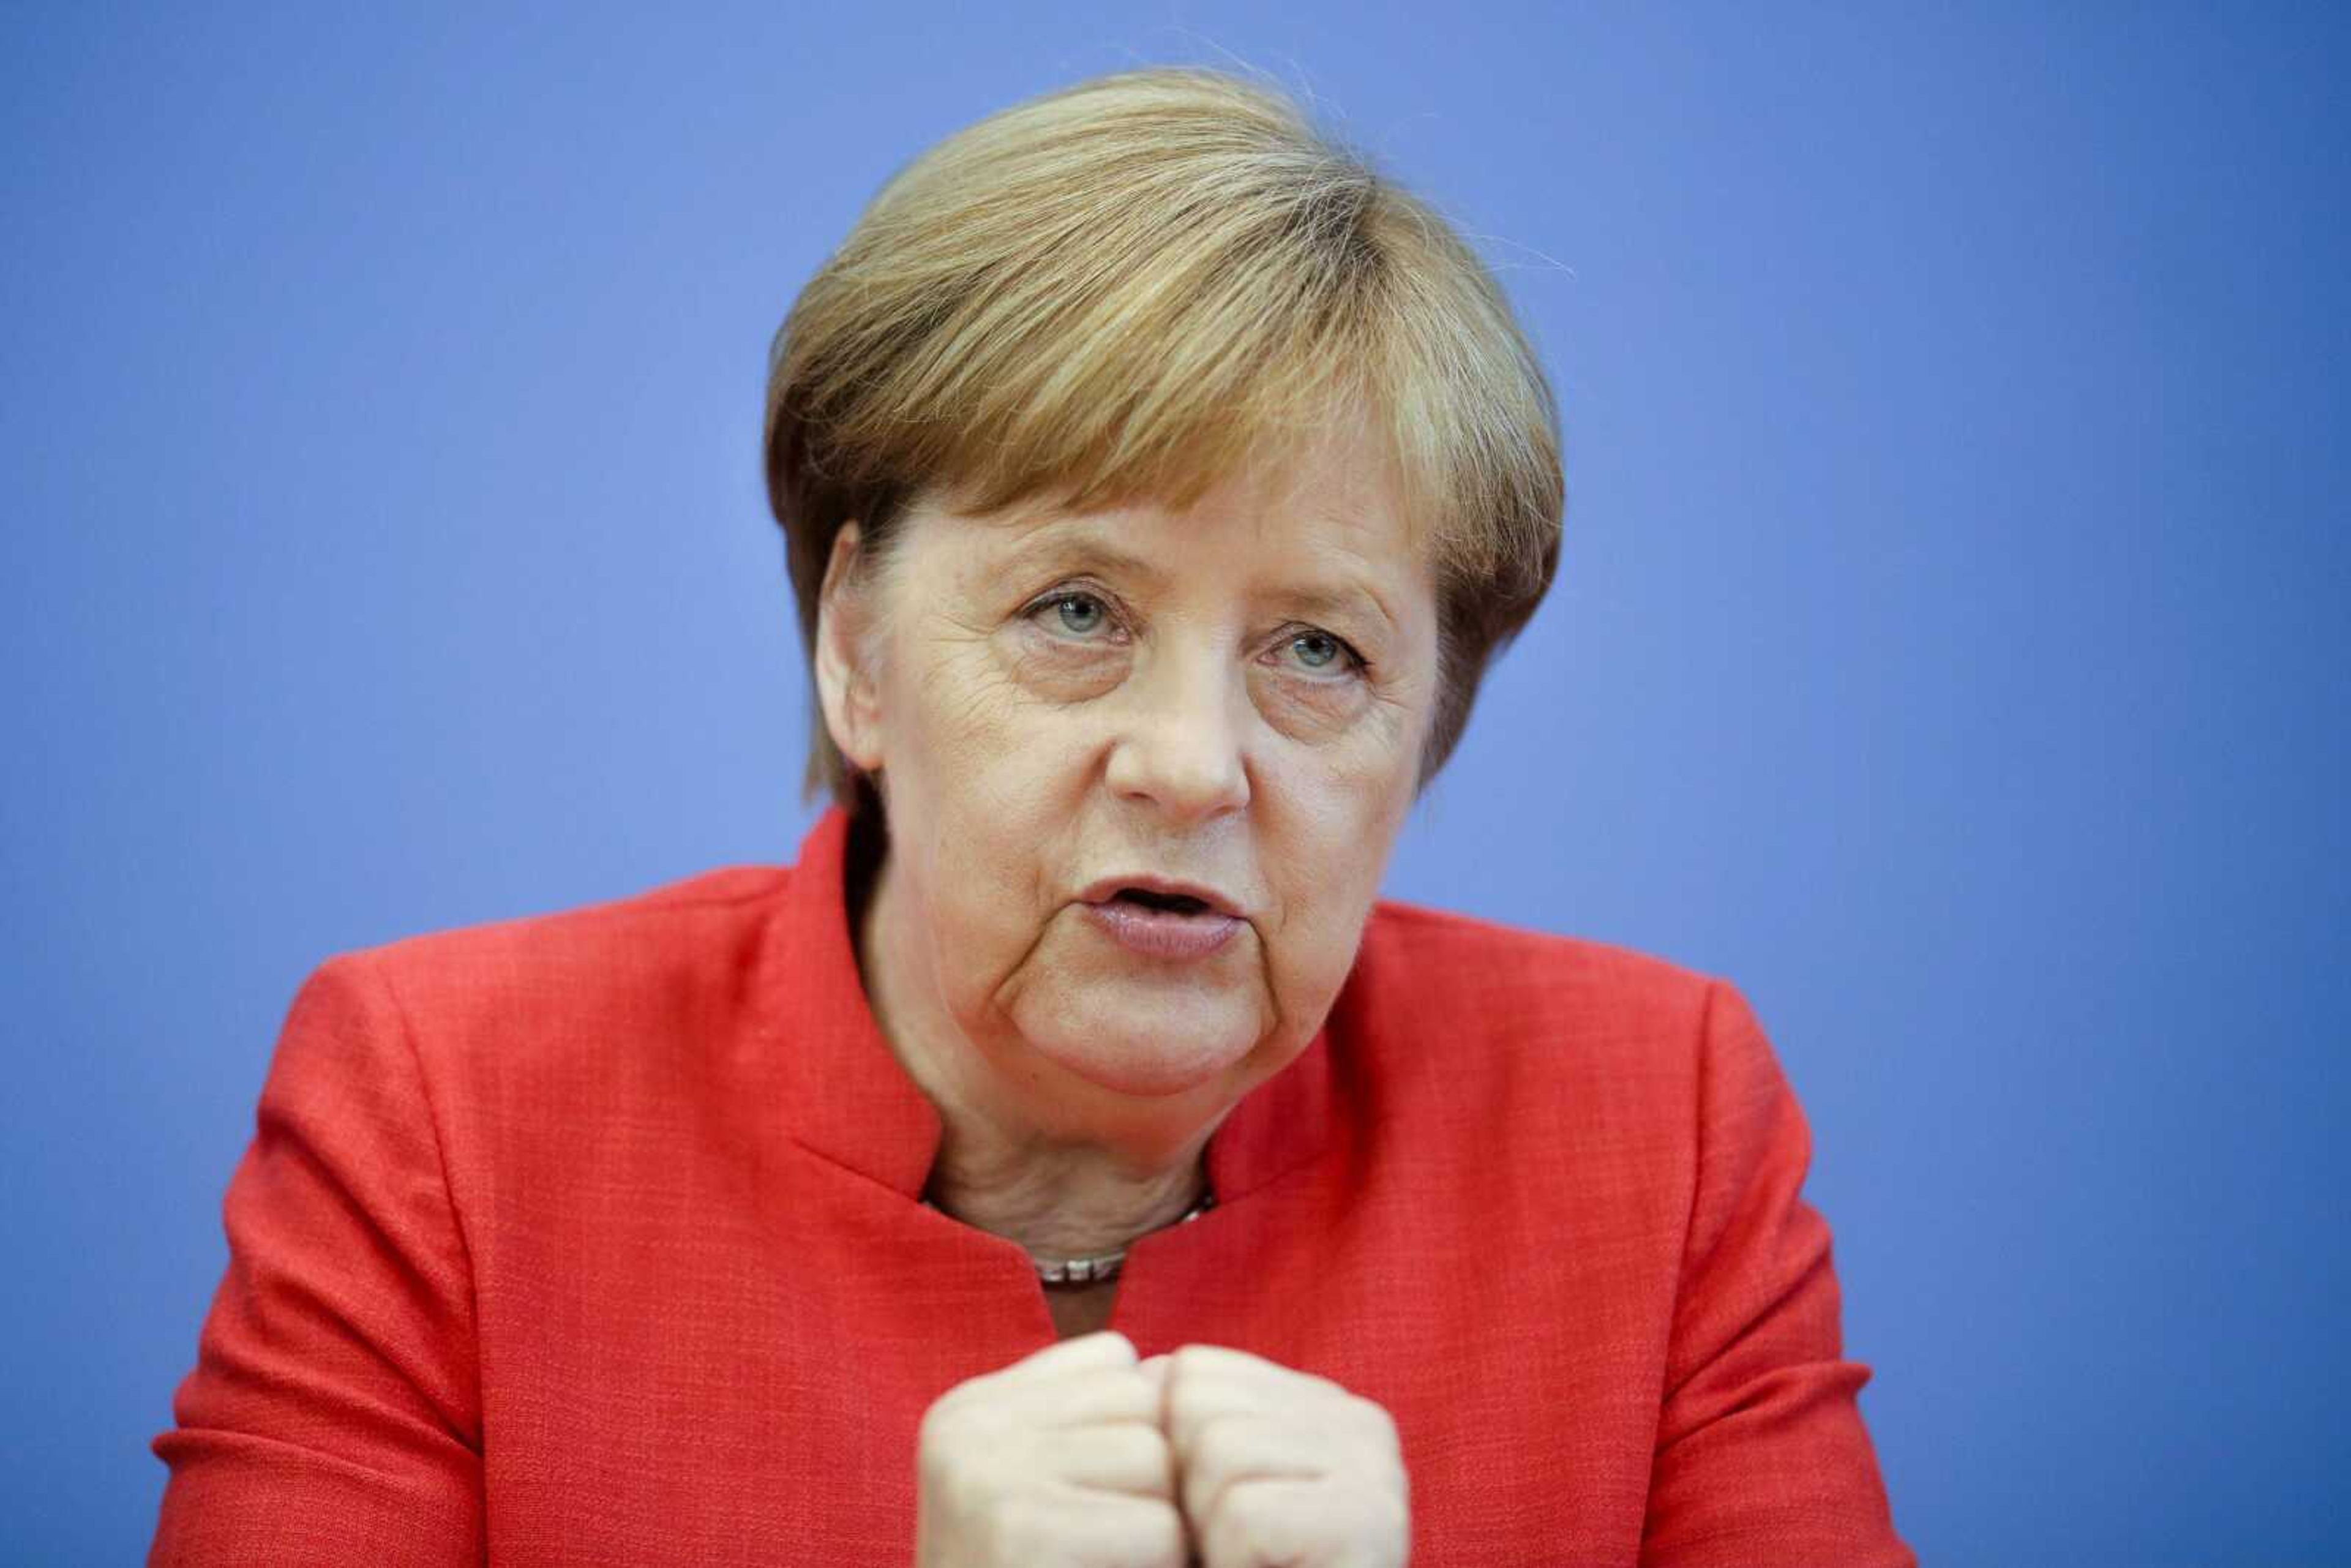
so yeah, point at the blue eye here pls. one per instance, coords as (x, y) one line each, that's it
(1080, 614)
(1317, 650)
(1323, 653)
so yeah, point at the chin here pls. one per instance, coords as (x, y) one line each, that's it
(1146, 1041)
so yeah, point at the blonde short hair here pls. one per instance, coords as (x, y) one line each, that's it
(1130, 289)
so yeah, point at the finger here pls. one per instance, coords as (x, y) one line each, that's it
(1248, 1447)
(1107, 1348)
(1088, 1399)
(1265, 1521)
(1207, 1383)
(1245, 1370)
(1086, 1355)
(1154, 1372)
(1132, 1457)
(1258, 1524)
(1114, 1532)
(1197, 1399)
(1226, 1357)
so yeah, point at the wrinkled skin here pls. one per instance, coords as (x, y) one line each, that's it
(1235, 696)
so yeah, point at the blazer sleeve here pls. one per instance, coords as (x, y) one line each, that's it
(1761, 1456)
(333, 1414)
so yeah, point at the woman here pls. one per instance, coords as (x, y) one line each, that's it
(1067, 1159)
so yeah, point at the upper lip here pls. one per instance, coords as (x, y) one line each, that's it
(1110, 887)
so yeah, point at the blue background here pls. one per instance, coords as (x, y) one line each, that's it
(1948, 647)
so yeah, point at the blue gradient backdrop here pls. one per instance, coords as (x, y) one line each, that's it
(1948, 648)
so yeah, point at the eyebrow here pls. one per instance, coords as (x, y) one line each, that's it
(1090, 553)
(1330, 600)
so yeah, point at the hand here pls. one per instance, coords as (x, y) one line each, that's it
(1281, 1467)
(1057, 1459)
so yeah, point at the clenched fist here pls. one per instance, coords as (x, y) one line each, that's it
(1056, 1461)
(1082, 1457)
(1278, 1465)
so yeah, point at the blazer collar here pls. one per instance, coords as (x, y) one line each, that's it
(844, 1095)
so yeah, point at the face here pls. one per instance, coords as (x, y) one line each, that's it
(1080, 721)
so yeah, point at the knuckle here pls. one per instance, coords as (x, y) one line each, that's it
(1016, 1531)
(1374, 1416)
(1251, 1504)
(1204, 1485)
(1205, 1437)
(1236, 1526)
(956, 1400)
(1159, 1536)
(941, 1430)
(1139, 1441)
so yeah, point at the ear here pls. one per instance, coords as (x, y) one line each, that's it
(847, 677)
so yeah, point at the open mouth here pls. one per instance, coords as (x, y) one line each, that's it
(1162, 925)
(1172, 903)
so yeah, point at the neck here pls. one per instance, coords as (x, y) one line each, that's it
(1057, 1203)
(999, 1168)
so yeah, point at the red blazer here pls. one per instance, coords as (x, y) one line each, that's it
(596, 1239)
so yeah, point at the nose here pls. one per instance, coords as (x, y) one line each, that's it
(1179, 744)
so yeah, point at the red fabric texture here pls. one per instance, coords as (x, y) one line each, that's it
(596, 1238)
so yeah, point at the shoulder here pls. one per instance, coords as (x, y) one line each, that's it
(1466, 1023)
(578, 982)
(622, 940)
(1479, 968)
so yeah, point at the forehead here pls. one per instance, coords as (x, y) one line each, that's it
(1337, 507)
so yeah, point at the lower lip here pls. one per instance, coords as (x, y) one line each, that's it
(1161, 933)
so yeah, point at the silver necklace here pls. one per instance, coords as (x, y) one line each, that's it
(1103, 1266)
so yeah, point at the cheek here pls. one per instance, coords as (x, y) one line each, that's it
(1327, 846)
(982, 794)
(1346, 799)
(986, 747)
